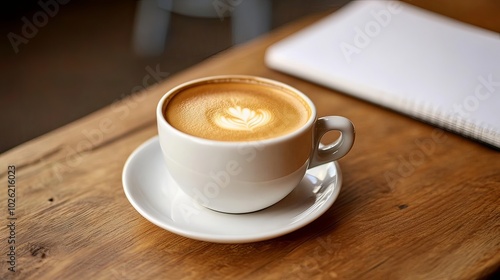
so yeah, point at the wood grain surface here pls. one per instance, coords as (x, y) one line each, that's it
(416, 202)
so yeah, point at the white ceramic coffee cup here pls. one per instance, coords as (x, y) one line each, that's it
(241, 177)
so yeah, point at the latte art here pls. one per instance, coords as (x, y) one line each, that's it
(238, 110)
(238, 118)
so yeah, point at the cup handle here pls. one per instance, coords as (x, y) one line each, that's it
(326, 153)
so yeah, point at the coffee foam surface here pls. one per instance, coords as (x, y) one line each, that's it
(233, 111)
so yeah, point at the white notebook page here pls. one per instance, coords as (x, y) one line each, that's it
(405, 58)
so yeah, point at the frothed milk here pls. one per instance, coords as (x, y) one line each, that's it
(236, 110)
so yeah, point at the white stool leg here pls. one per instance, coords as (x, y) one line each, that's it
(150, 28)
(250, 18)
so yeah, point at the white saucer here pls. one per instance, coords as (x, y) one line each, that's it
(150, 189)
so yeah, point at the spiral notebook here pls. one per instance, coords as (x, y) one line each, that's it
(402, 57)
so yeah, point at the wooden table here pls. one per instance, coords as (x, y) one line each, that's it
(416, 202)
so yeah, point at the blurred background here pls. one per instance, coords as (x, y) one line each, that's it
(63, 59)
